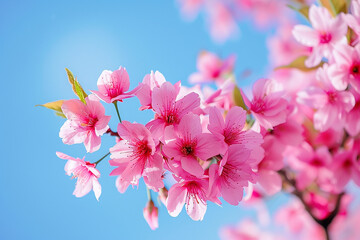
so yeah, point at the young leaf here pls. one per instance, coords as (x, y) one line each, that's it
(56, 106)
(299, 64)
(238, 99)
(335, 6)
(78, 90)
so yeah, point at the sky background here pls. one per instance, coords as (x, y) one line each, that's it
(38, 40)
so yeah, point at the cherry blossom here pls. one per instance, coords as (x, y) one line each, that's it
(85, 172)
(85, 123)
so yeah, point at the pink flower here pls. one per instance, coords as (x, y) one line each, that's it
(150, 81)
(211, 68)
(352, 123)
(85, 172)
(289, 132)
(264, 12)
(221, 20)
(272, 162)
(135, 156)
(192, 193)
(283, 47)
(247, 230)
(231, 131)
(190, 8)
(346, 67)
(232, 174)
(85, 123)
(345, 167)
(151, 215)
(168, 110)
(113, 86)
(313, 165)
(326, 32)
(331, 105)
(353, 19)
(267, 106)
(294, 217)
(190, 145)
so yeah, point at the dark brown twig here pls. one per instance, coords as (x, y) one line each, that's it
(112, 133)
(324, 223)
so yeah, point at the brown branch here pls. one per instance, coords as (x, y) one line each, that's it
(324, 223)
(112, 133)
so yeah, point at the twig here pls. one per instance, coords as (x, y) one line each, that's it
(112, 133)
(324, 223)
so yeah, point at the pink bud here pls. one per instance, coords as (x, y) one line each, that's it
(163, 194)
(151, 215)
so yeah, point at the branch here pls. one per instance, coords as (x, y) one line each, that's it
(112, 133)
(324, 223)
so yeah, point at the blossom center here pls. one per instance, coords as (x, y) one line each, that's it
(231, 135)
(317, 162)
(187, 150)
(258, 106)
(171, 118)
(347, 163)
(332, 97)
(142, 149)
(188, 147)
(355, 70)
(325, 38)
(89, 122)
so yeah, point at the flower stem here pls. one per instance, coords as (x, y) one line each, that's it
(101, 158)
(117, 110)
(148, 193)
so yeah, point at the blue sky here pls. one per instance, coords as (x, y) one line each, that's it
(38, 40)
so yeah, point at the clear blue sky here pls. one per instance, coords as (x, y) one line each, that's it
(38, 39)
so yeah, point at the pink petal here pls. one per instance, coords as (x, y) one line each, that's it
(176, 199)
(196, 209)
(305, 35)
(96, 188)
(191, 165)
(270, 181)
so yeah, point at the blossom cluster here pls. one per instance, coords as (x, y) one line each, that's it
(297, 131)
(200, 138)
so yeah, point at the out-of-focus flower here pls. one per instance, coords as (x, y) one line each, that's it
(346, 67)
(326, 32)
(211, 68)
(331, 105)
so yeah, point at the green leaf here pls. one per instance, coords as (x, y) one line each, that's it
(303, 10)
(78, 90)
(238, 98)
(56, 106)
(60, 114)
(299, 64)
